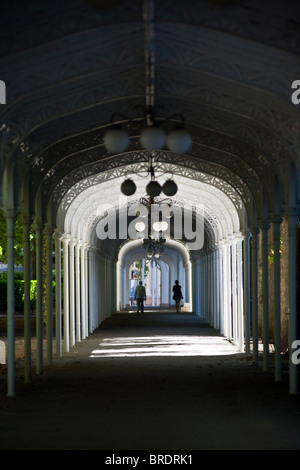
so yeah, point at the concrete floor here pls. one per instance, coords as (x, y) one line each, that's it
(133, 386)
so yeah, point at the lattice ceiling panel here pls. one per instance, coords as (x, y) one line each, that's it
(69, 67)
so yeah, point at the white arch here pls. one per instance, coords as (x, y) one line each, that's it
(205, 269)
(191, 193)
(133, 250)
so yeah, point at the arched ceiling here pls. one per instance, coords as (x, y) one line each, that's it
(81, 211)
(69, 67)
(133, 249)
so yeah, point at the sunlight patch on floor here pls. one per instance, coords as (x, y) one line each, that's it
(149, 346)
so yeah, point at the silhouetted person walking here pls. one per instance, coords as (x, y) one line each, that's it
(140, 296)
(177, 295)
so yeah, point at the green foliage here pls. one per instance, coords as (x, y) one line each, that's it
(19, 295)
(19, 275)
(3, 300)
(19, 245)
(138, 266)
(272, 251)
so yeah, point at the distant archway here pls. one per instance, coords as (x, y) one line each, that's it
(175, 264)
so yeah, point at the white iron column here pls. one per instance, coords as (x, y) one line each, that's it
(72, 244)
(205, 291)
(10, 232)
(234, 293)
(247, 316)
(100, 282)
(152, 283)
(157, 284)
(27, 303)
(225, 290)
(221, 289)
(91, 291)
(97, 277)
(211, 293)
(87, 283)
(102, 286)
(254, 254)
(240, 296)
(199, 287)
(202, 284)
(49, 295)
(78, 299)
(277, 295)
(216, 288)
(66, 294)
(228, 286)
(39, 298)
(58, 297)
(83, 291)
(265, 293)
(207, 288)
(218, 285)
(292, 222)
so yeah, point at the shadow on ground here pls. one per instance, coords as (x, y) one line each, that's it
(152, 395)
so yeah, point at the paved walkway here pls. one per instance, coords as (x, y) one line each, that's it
(151, 382)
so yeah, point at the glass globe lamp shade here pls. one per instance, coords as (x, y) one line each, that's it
(160, 226)
(153, 138)
(170, 188)
(116, 140)
(128, 187)
(167, 212)
(140, 226)
(153, 189)
(179, 141)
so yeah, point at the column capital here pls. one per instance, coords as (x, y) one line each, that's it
(66, 239)
(254, 230)
(292, 211)
(229, 240)
(72, 241)
(57, 235)
(246, 234)
(10, 213)
(265, 225)
(39, 226)
(27, 219)
(49, 230)
(277, 219)
(238, 236)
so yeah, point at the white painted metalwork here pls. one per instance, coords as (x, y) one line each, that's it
(244, 164)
